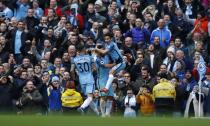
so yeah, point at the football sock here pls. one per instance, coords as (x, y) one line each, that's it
(102, 106)
(109, 82)
(108, 107)
(86, 102)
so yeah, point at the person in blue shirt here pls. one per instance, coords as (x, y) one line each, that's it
(139, 34)
(83, 63)
(54, 95)
(103, 66)
(6, 12)
(163, 33)
(113, 51)
(21, 9)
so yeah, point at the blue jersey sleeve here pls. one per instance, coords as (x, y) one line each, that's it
(110, 47)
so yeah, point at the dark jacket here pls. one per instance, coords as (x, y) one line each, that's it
(196, 7)
(28, 105)
(186, 88)
(5, 97)
(19, 83)
(142, 82)
(23, 39)
(157, 61)
(31, 22)
(4, 56)
(43, 92)
(137, 69)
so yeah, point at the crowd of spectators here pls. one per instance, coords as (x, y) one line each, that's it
(162, 42)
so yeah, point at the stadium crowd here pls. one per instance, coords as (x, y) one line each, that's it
(161, 43)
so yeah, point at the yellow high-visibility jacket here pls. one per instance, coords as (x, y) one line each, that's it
(71, 98)
(164, 90)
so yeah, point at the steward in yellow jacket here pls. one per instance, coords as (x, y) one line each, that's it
(71, 98)
(164, 95)
(164, 89)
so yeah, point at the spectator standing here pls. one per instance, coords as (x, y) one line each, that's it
(145, 100)
(71, 99)
(30, 100)
(130, 104)
(21, 9)
(7, 12)
(19, 37)
(164, 94)
(139, 34)
(163, 33)
(54, 95)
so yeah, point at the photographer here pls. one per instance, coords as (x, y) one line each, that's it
(30, 100)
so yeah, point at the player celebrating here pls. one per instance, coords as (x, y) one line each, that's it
(84, 64)
(103, 65)
(113, 51)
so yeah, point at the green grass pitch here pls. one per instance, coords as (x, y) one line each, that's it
(98, 121)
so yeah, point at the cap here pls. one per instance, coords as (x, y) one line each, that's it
(171, 49)
(115, 27)
(55, 78)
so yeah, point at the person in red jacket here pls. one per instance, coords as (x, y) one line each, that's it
(71, 11)
(201, 23)
(53, 5)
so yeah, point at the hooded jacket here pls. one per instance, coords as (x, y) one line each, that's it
(71, 98)
(164, 90)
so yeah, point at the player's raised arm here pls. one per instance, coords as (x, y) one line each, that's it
(109, 45)
(101, 51)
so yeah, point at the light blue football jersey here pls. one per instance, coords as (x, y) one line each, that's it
(102, 72)
(114, 52)
(83, 65)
